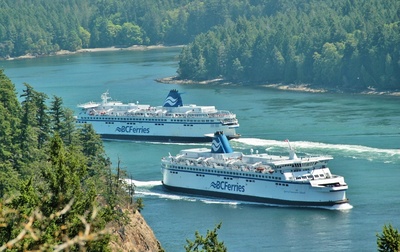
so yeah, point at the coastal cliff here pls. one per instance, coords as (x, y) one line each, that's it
(135, 236)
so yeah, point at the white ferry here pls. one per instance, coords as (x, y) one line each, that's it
(172, 122)
(281, 180)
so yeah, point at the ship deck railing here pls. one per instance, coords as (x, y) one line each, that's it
(158, 114)
(259, 168)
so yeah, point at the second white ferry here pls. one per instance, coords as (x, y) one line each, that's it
(271, 179)
(172, 122)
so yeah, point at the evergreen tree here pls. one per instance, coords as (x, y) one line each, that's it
(208, 243)
(29, 132)
(389, 240)
(57, 114)
(42, 119)
(9, 122)
(56, 192)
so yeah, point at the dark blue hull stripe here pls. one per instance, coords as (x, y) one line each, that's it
(178, 139)
(253, 198)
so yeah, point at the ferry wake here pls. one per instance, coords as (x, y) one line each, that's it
(172, 122)
(278, 180)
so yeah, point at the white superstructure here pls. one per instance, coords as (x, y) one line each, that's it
(174, 121)
(284, 180)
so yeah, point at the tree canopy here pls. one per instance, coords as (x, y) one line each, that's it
(389, 240)
(57, 188)
(347, 44)
(336, 44)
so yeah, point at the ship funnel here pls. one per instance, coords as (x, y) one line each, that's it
(173, 99)
(220, 143)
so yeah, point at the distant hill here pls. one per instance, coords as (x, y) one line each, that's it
(337, 44)
(42, 27)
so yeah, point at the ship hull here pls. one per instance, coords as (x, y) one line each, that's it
(255, 199)
(172, 139)
(268, 191)
(172, 122)
(157, 132)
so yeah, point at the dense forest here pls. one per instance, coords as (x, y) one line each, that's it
(41, 27)
(57, 188)
(338, 44)
(346, 44)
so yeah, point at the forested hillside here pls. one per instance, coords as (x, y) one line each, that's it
(58, 191)
(348, 44)
(41, 27)
(338, 44)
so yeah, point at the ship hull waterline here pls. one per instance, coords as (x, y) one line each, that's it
(254, 199)
(173, 139)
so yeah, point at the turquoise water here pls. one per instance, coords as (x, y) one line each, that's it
(361, 132)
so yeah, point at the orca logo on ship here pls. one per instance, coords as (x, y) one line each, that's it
(225, 186)
(131, 129)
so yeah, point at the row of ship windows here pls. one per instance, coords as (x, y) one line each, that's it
(300, 165)
(178, 120)
(145, 119)
(228, 178)
(310, 176)
(130, 123)
(228, 173)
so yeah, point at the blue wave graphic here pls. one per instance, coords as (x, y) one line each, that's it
(216, 145)
(171, 101)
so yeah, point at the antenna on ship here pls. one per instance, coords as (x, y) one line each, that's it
(105, 97)
(292, 153)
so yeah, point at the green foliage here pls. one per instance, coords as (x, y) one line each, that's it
(10, 111)
(336, 44)
(55, 196)
(208, 243)
(389, 240)
(139, 204)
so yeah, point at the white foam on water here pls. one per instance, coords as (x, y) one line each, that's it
(346, 150)
(138, 183)
(341, 207)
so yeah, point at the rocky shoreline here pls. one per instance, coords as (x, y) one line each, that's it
(288, 87)
(174, 80)
(134, 236)
(91, 50)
